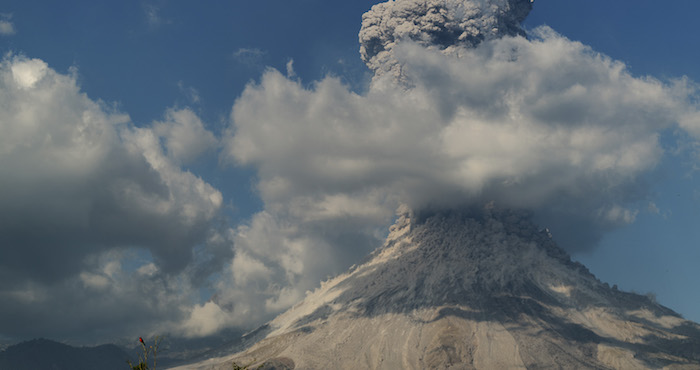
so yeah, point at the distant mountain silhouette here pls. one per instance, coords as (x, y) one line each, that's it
(44, 354)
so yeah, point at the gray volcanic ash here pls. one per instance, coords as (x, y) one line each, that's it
(439, 24)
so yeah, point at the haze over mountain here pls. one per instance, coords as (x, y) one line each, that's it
(473, 289)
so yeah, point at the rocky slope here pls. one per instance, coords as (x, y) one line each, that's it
(479, 289)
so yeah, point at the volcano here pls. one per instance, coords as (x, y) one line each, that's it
(474, 289)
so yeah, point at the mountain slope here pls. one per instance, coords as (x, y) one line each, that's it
(471, 290)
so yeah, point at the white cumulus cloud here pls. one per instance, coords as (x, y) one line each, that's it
(185, 135)
(7, 28)
(544, 124)
(82, 189)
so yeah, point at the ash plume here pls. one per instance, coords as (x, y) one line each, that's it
(440, 24)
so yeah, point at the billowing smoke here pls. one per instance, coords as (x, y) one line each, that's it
(464, 110)
(435, 24)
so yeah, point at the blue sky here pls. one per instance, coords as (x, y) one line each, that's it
(169, 64)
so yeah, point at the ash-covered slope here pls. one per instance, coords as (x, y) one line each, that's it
(471, 290)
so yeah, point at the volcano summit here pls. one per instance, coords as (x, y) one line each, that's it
(465, 108)
(482, 289)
